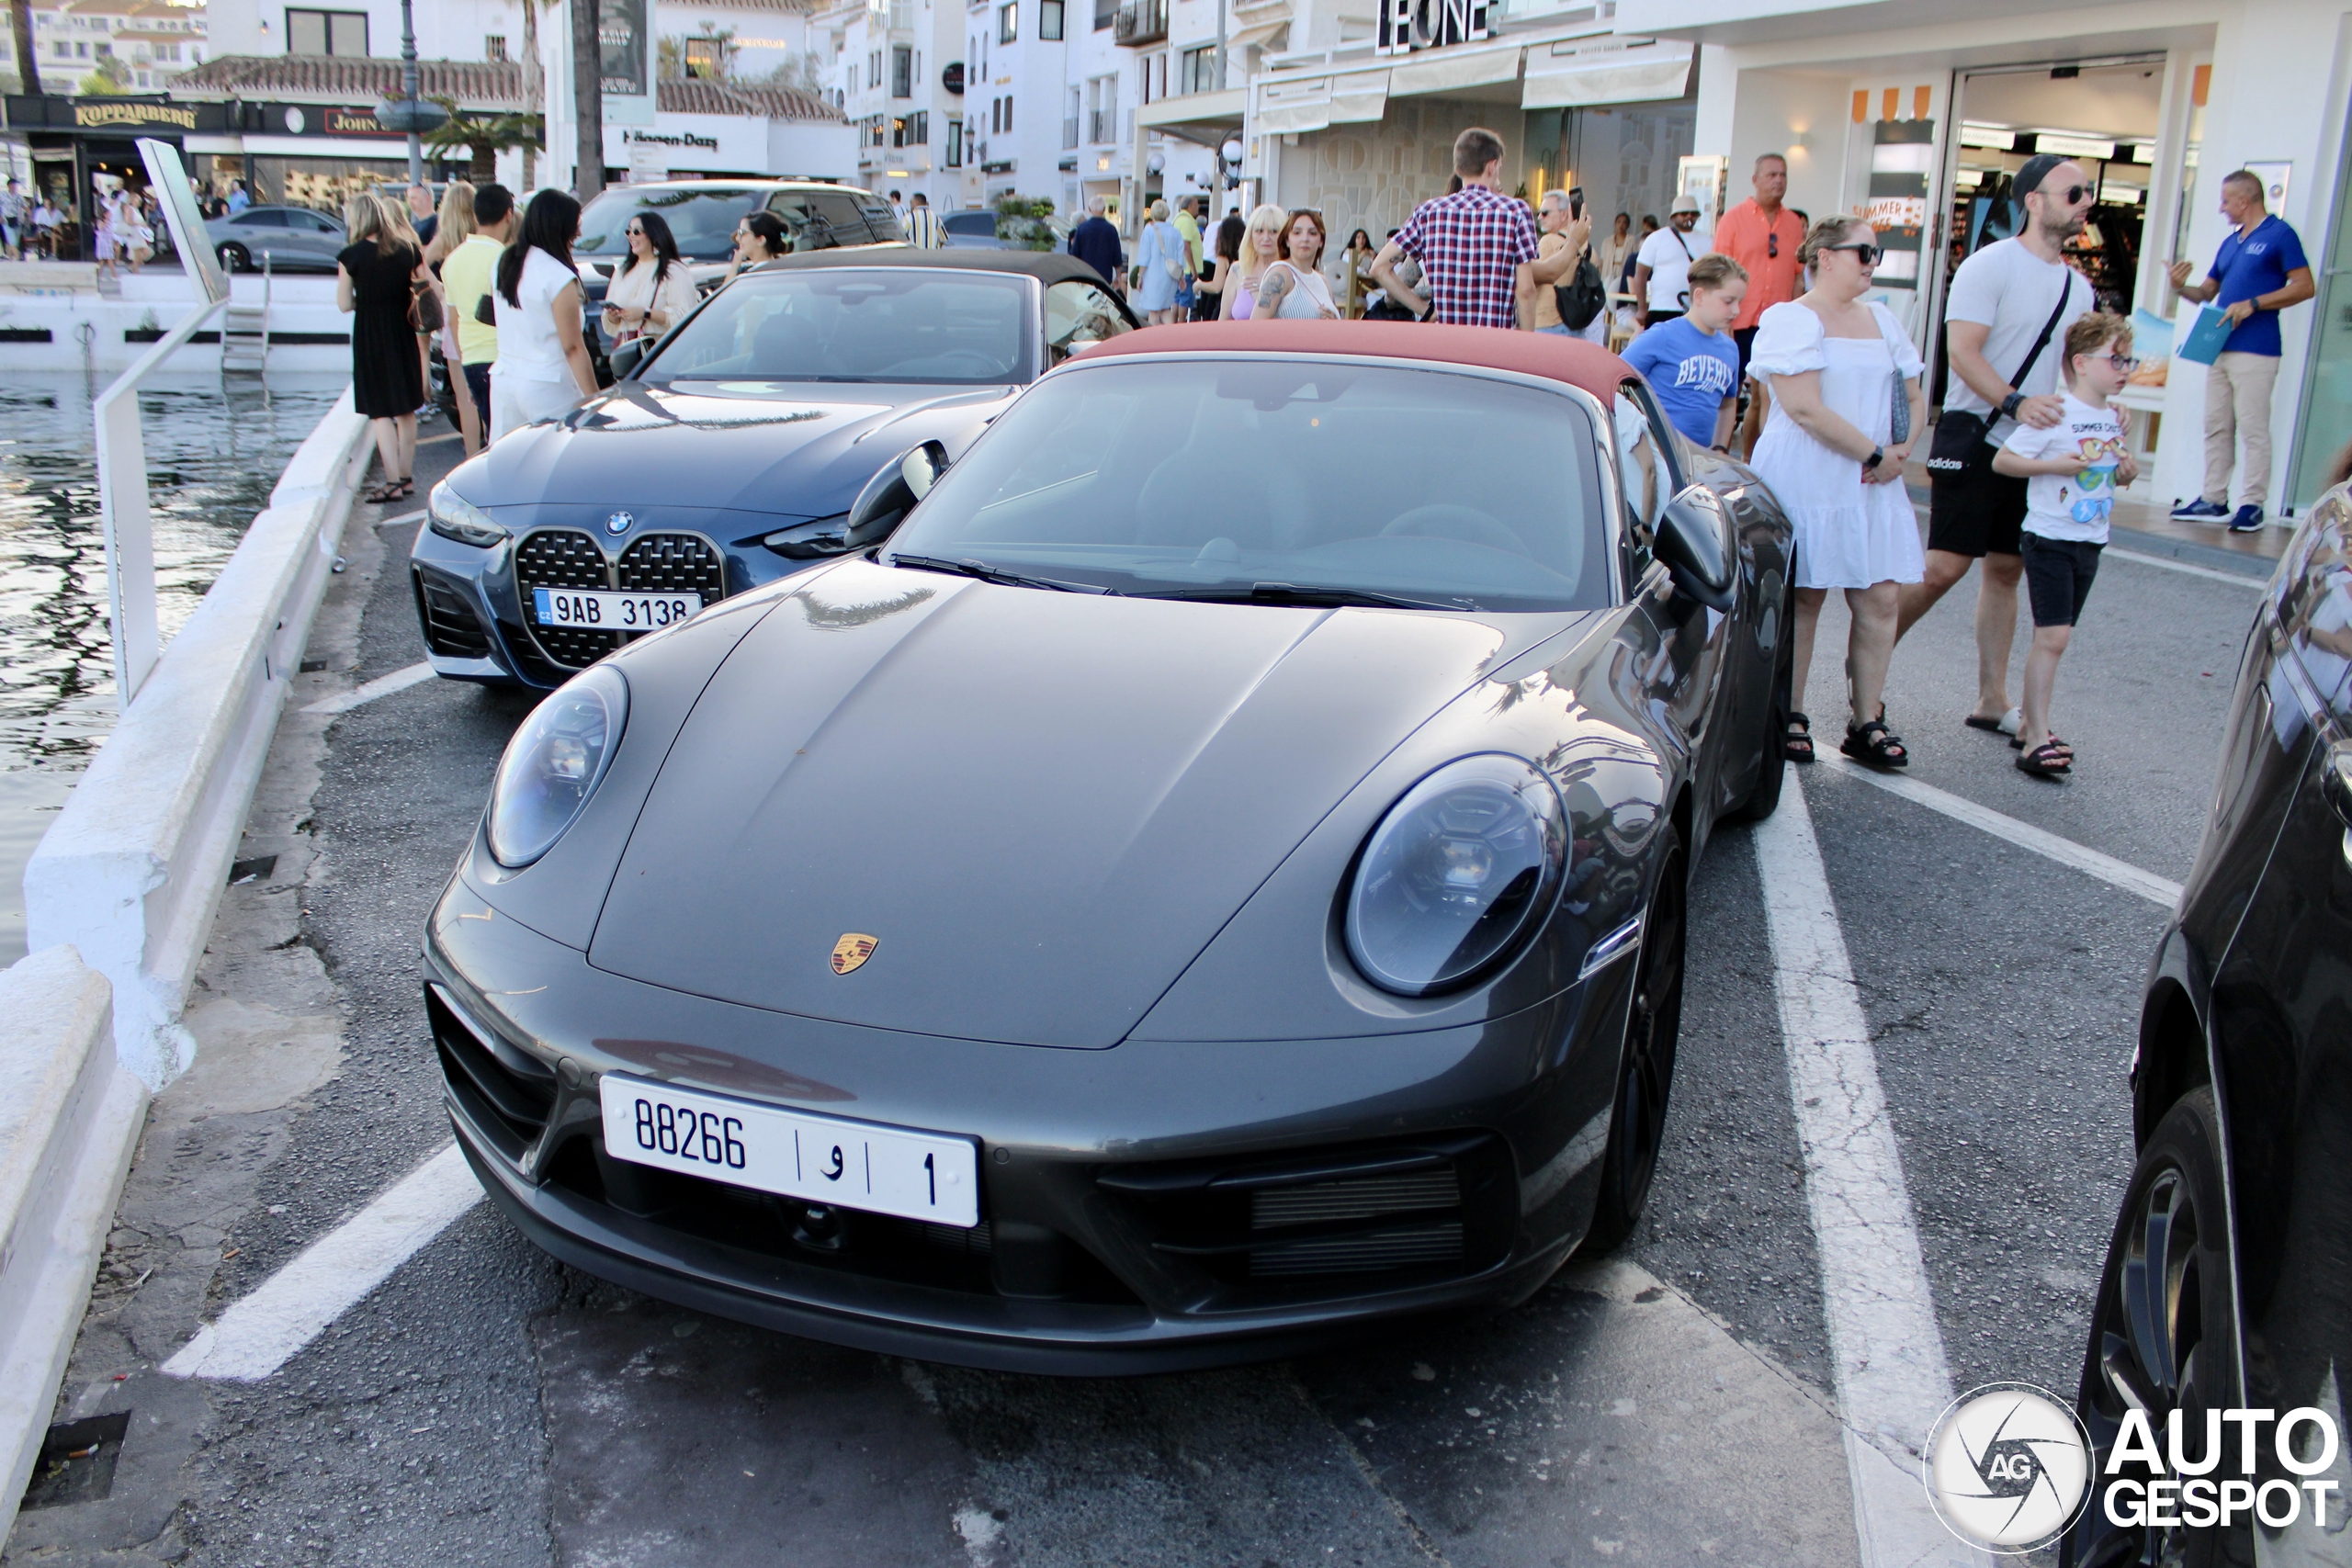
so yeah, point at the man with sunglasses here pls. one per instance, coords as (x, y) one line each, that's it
(1762, 236)
(2005, 317)
(2259, 271)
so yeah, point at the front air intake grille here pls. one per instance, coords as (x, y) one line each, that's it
(1321, 1222)
(450, 626)
(562, 557)
(672, 563)
(653, 563)
(507, 1091)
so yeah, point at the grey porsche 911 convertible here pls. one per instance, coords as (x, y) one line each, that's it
(1103, 925)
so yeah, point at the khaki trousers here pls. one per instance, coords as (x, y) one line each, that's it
(2237, 408)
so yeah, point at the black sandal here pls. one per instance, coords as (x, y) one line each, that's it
(388, 490)
(1797, 747)
(1879, 750)
(2045, 760)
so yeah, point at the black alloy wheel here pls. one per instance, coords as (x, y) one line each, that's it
(2162, 1337)
(1772, 764)
(234, 258)
(1645, 1065)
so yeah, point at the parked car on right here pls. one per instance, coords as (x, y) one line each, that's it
(2227, 1281)
(287, 238)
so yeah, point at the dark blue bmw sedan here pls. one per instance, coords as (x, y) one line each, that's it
(728, 454)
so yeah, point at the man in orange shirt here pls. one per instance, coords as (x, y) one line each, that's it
(1762, 236)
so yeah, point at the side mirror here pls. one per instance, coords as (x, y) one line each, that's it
(890, 495)
(813, 540)
(625, 359)
(1690, 541)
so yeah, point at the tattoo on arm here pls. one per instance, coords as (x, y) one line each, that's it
(1275, 284)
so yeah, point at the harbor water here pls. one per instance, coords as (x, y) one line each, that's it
(215, 447)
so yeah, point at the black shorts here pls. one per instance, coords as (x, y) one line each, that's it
(1974, 514)
(1744, 338)
(2058, 575)
(1657, 317)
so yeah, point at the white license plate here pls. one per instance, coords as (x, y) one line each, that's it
(609, 612)
(886, 1171)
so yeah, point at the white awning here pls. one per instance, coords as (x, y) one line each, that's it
(1599, 74)
(1453, 70)
(1311, 103)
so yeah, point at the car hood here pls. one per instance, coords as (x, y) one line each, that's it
(755, 447)
(1039, 805)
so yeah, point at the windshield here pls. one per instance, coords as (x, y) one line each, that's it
(907, 323)
(702, 221)
(1274, 480)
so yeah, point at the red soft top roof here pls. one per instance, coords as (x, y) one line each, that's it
(1556, 358)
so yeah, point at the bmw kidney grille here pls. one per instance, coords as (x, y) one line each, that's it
(570, 558)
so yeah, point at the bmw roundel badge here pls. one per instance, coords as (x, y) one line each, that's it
(618, 522)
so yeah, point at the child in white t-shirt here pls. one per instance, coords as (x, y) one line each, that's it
(2073, 468)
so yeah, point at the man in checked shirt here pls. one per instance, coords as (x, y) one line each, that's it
(1476, 247)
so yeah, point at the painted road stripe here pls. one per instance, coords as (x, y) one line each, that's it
(261, 1332)
(1892, 1381)
(403, 517)
(2242, 579)
(2024, 835)
(381, 687)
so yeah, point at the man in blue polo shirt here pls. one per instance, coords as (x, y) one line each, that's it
(2259, 272)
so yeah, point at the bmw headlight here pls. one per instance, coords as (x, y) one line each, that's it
(452, 516)
(552, 764)
(1457, 873)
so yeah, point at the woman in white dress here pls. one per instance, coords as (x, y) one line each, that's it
(1292, 289)
(542, 366)
(1837, 367)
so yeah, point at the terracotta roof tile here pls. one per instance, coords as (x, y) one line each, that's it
(474, 84)
(697, 95)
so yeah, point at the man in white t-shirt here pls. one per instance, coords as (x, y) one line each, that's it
(1662, 266)
(2004, 300)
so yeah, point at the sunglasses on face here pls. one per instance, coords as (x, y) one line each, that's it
(1864, 252)
(2072, 195)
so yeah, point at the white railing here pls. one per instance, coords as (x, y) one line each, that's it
(121, 449)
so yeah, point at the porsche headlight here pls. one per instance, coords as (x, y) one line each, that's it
(452, 516)
(1457, 873)
(552, 764)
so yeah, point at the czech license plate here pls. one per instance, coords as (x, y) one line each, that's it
(607, 611)
(823, 1159)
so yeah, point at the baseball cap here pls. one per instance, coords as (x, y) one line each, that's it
(2036, 170)
(1686, 202)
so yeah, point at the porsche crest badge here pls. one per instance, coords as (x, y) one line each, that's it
(854, 948)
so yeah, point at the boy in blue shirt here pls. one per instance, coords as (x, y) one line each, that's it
(2259, 272)
(1690, 362)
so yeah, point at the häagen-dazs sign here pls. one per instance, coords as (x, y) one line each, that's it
(1410, 25)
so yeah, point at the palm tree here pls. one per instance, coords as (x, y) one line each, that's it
(20, 21)
(535, 78)
(588, 97)
(484, 137)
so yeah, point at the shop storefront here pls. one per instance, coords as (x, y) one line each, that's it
(1922, 121)
(67, 149)
(1365, 131)
(314, 156)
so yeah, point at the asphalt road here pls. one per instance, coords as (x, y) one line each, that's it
(1676, 1403)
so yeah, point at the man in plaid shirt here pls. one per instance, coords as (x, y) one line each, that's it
(1476, 247)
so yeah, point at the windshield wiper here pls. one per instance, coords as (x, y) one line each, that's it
(988, 573)
(1294, 593)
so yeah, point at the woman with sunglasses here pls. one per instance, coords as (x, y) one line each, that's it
(1839, 369)
(654, 291)
(759, 237)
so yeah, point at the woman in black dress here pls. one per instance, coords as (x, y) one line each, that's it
(372, 279)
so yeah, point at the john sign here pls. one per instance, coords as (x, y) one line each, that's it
(1410, 25)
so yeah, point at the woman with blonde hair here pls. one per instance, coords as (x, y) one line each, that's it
(1292, 288)
(456, 226)
(1260, 248)
(375, 276)
(1165, 263)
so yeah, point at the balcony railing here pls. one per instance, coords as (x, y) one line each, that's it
(1102, 127)
(1069, 132)
(1142, 22)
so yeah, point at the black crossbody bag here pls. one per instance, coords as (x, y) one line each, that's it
(1961, 449)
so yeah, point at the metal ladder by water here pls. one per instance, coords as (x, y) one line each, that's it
(245, 330)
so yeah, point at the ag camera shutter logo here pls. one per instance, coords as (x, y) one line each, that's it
(2008, 1467)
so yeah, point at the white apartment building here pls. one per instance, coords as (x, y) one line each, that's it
(149, 41)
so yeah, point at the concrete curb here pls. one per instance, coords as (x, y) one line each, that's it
(70, 1117)
(2255, 568)
(133, 870)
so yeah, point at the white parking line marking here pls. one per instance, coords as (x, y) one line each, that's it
(403, 517)
(2024, 835)
(381, 687)
(2241, 579)
(333, 1274)
(1891, 1378)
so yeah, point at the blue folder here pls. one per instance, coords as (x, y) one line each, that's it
(2207, 337)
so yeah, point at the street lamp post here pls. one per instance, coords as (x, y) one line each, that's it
(408, 91)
